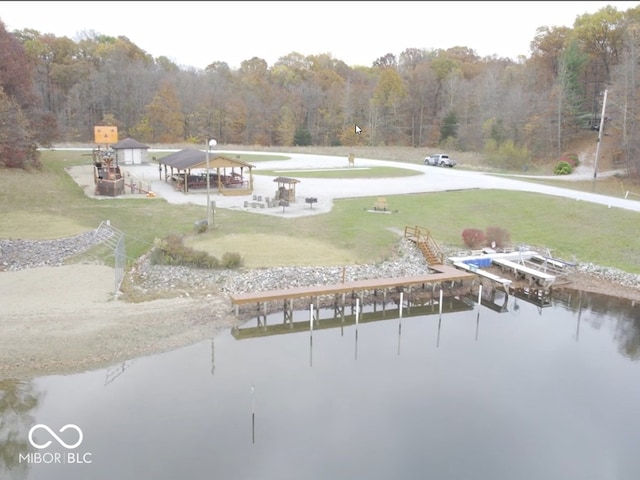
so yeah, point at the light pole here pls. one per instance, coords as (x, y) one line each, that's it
(595, 165)
(211, 143)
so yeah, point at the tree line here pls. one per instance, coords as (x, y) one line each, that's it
(55, 89)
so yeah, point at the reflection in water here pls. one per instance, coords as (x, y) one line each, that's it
(253, 414)
(597, 309)
(524, 401)
(213, 364)
(18, 401)
(115, 371)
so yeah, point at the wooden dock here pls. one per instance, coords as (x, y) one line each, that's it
(440, 274)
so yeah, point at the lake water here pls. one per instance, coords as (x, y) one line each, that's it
(530, 393)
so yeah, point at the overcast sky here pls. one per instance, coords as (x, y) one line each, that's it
(196, 34)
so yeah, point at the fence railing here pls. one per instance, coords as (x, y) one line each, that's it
(114, 239)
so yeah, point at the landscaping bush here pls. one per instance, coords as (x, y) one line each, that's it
(497, 237)
(571, 159)
(172, 251)
(562, 168)
(473, 237)
(232, 260)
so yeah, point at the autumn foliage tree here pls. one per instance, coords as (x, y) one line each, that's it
(513, 111)
(17, 137)
(163, 121)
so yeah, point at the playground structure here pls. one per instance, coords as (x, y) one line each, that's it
(107, 175)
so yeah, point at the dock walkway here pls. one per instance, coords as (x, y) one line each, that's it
(443, 273)
(543, 279)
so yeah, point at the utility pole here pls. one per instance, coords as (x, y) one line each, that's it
(595, 165)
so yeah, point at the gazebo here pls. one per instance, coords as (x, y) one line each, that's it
(286, 188)
(229, 177)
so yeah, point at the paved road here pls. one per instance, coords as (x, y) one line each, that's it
(434, 179)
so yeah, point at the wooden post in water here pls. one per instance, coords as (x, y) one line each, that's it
(401, 302)
(440, 302)
(253, 415)
(311, 335)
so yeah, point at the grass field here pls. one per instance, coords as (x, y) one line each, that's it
(49, 204)
(612, 186)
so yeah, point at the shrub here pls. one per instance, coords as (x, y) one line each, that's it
(172, 251)
(232, 260)
(571, 159)
(562, 168)
(497, 236)
(473, 237)
(506, 155)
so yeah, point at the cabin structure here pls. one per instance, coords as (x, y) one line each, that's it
(130, 152)
(187, 170)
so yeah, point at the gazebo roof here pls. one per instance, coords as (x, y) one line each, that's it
(128, 143)
(192, 158)
(286, 180)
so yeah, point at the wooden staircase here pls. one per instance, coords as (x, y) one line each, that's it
(425, 242)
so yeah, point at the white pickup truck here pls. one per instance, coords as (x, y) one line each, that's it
(440, 160)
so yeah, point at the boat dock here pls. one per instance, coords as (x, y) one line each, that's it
(440, 275)
(543, 279)
(525, 264)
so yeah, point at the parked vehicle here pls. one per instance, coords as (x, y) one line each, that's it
(440, 160)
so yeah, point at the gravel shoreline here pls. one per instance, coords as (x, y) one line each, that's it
(149, 280)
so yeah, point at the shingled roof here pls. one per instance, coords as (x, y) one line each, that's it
(128, 143)
(191, 158)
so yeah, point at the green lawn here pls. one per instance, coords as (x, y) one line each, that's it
(49, 204)
(254, 157)
(611, 186)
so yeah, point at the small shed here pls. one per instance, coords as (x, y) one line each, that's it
(130, 152)
(286, 188)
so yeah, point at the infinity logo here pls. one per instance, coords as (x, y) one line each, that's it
(53, 434)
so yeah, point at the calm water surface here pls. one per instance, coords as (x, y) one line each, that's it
(529, 393)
